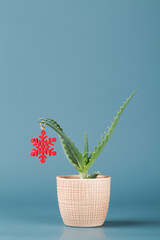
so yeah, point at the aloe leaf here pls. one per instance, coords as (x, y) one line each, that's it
(94, 174)
(85, 154)
(70, 150)
(68, 153)
(98, 149)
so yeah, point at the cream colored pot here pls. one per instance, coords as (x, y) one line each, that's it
(83, 202)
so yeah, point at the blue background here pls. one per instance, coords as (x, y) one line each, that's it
(76, 62)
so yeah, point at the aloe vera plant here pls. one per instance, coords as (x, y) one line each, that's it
(83, 161)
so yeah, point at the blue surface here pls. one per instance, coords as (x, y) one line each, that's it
(123, 222)
(77, 61)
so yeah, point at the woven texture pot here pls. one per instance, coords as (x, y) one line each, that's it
(83, 202)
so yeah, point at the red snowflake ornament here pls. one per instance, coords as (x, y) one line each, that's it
(43, 147)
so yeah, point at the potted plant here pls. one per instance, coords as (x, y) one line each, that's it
(84, 198)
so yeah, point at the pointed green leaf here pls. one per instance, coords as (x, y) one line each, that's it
(70, 150)
(85, 155)
(98, 149)
(94, 174)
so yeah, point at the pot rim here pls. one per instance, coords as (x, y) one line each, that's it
(77, 178)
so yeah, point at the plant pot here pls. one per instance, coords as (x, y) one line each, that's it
(83, 202)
